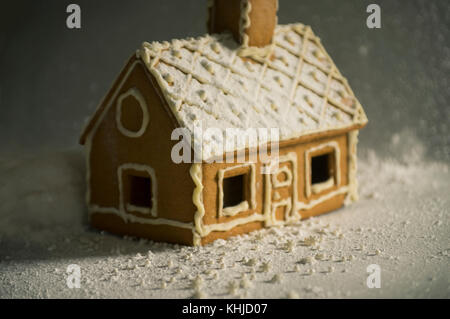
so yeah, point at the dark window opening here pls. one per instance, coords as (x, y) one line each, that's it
(233, 190)
(321, 168)
(140, 191)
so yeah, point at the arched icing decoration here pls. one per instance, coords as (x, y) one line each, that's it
(282, 183)
(134, 92)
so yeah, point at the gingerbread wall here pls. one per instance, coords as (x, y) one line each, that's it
(308, 204)
(110, 150)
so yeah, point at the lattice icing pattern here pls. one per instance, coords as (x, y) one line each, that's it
(290, 38)
(284, 61)
(296, 87)
(318, 57)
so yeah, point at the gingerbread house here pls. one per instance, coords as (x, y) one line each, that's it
(247, 72)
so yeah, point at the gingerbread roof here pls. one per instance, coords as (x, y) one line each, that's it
(295, 87)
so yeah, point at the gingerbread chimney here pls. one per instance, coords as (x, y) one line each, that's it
(252, 22)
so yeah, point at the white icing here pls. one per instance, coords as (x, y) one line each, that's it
(311, 204)
(137, 209)
(233, 223)
(275, 177)
(135, 93)
(95, 209)
(287, 202)
(234, 210)
(320, 187)
(296, 92)
(352, 195)
(197, 198)
(291, 202)
(276, 196)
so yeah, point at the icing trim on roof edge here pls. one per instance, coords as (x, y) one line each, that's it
(145, 54)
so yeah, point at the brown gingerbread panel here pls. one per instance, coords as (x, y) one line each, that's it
(281, 191)
(263, 19)
(164, 233)
(118, 160)
(211, 190)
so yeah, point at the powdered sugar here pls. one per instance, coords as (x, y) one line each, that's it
(296, 88)
(404, 229)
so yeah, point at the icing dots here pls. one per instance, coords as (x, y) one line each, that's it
(294, 87)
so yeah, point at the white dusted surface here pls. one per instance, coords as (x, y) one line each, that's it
(400, 223)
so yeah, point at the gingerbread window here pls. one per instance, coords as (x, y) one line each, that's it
(236, 188)
(235, 194)
(138, 191)
(322, 168)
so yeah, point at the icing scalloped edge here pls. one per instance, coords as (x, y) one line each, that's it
(352, 195)
(245, 49)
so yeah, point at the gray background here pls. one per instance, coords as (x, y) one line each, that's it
(52, 78)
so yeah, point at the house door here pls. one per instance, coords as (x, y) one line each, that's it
(281, 193)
